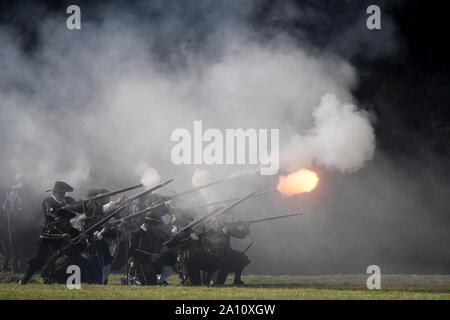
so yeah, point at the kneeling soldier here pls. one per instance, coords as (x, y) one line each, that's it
(148, 257)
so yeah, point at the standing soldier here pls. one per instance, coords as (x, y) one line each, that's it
(11, 209)
(56, 208)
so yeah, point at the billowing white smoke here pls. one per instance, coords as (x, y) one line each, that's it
(200, 178)
(149, 176)
(342, 138)
(115, 103)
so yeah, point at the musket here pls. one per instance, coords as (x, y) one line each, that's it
(136, 214)
(76, 239)
(150, 190)
(197, 188)
(175, 238)
(137, 196)
(107, 218)
(75, 205)
(266, 219)
(260, 193)
(113, 193)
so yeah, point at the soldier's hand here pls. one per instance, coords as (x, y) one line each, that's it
(120, 199)
(168, 203)
(98, 236)
(226, 229)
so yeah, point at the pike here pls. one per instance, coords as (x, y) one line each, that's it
(175, 238)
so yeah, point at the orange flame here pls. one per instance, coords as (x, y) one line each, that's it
(298, 182)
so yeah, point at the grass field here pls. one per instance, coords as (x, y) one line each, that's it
(257, 287)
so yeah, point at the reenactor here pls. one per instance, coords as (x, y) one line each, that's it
(216, 242)
(194, 263)
(103, 242)
(55, 271)
(56, 212)
(11, 209)
(148, 257)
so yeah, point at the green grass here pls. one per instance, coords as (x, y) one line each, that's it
(257, 287)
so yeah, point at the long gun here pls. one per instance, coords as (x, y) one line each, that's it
(137, 196)
(113, 193)
(108, 217)
(266, 219)
(137, 214)
(79, 204)
(196, 189)
(176, 237)
(145, 192)
(89, 230)
(260, 193)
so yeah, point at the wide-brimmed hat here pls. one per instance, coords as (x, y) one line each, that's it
(61, 186)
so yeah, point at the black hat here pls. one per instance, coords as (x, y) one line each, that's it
(61, 187)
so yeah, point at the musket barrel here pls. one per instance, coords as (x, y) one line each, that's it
(139, 213)
(269, 218)
(260, 193)
(143, 193)
(95, 225)
(197, 188)
(100, 196)
(211, 215)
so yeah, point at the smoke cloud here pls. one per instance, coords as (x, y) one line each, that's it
(342, 138)
(97, 106)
